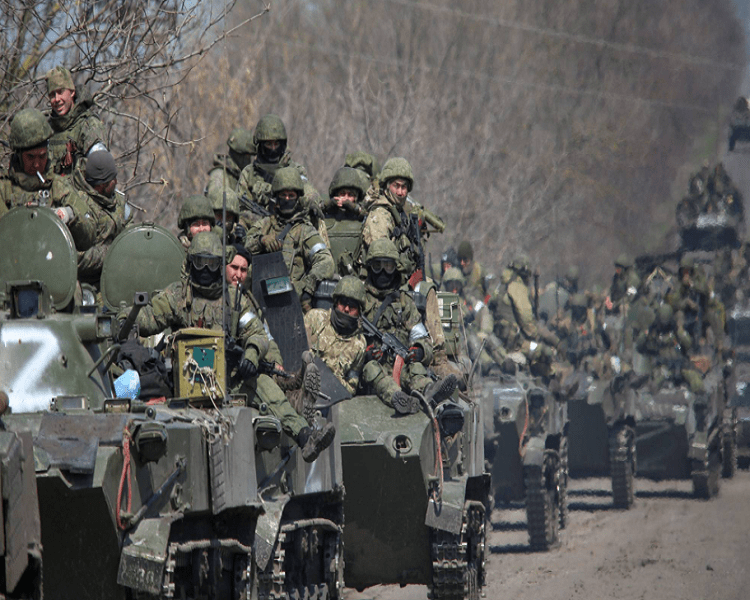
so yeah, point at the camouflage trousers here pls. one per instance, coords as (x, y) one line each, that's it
(264, 390)
(378, 379)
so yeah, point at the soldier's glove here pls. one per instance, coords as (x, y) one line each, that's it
(240, 233)
(373, 352)
(65, 213)
(416, 354)
(270, 243)
(247, 369)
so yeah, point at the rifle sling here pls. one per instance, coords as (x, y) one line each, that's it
(387, 301)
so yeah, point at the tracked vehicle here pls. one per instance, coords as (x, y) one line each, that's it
(197, 495)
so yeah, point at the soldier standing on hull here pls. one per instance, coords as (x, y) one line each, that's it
(335, 334)
(290, 231)
(31, 180)
(110, 213)
(196, 216)
(226, 169)
(77, 130)
(196, 301)
(392, 310)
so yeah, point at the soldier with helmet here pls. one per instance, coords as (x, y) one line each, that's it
(289, 230)
(344, 216)
(196, 216)
(77, 130)
(197, 301)
(30, 179)
(392, 310)
(625, 282)
(226, 168)
(235, 231)
(97, 181)
(471, 269)
(335, 334)
(369, 167)
(388, 218)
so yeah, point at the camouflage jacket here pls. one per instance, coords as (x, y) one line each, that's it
(110, 218)
(401, 318)
(254, 181)
(180, 306)
(18, 189)
(345, 355)
(475, 281)
(306, 254)
(387, 220)
(81, 127)
(224, 173)
(514, 314)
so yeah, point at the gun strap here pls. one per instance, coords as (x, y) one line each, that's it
(283, 233)
(387, 301)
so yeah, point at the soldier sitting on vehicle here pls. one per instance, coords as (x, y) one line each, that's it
(625, 283)
(236, 233)
(197, 301)
(196, 216)
(344, 216)
(472, 270)
(392, 311)
(335, 334)
(289, 230)
(226, 168)
(31, 180)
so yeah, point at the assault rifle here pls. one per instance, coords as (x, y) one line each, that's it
(254, 207)
(388, 343)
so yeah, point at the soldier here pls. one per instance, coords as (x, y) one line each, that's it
(388, 218)
(471, 269)
(392, 310)
(290, 231)
(236, 232)
(335, 334)
(196, 216)
(31, 180)
(77, 130)
(196, 301)
(98, 181)
(343, 218)
(581, 343)
(625, 282)
(226, 169)
(368, 165)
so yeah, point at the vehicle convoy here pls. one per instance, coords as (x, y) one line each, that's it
(149, 499)
(526, 443)
(417, 494)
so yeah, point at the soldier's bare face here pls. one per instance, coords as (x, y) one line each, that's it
(399, 187)
(348, 307)
(61, 101)
(345, 195)
(34, 161)
(466, 265)
(198, 226)
(237, 271)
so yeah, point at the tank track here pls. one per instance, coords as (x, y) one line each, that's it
(728, 454)
(562, 485)
(542, 508)
(458, 561)
(622, 466)
(706, 477)
(272, 579)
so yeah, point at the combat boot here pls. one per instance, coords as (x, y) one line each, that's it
(404, 403)
(314, 441)
(311, 390)
(440, 390)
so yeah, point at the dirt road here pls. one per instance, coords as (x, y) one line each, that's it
(668, 547)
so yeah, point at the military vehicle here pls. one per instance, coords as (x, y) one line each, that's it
(738, 388)
(526, 444)
(601, 432)
(417, 494)
(152, 500)
(739, 123)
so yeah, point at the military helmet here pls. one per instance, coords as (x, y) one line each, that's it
(664, 314)
(350, 287)
(465, 251)
(396, 167)
(59, 78)
(624, 260)
(382, 248)
(241, 141)
(270, 127)
(195, 207)
(572, 274)
(347, 177)
(521, 264)
(362, 161)
(687, 262)
(216, 198)
(288, 178)
(453, 274)
(28, 129)
(578, 301)
(206, 242)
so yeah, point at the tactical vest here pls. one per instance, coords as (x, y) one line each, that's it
(345, 235)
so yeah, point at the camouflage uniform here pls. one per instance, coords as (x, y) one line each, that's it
(236, 233)
(226, 168)
(475, 276)
(625, 281)
(306, 254)
(344, 224)
(195, 207)
(77, 133)
(345, 355)
(28, 130)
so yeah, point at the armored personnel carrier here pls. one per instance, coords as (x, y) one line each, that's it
(417, 494)
(526, 444)
(194, 496)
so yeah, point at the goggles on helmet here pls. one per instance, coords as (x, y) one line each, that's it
(201, 261)
(379, 264)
